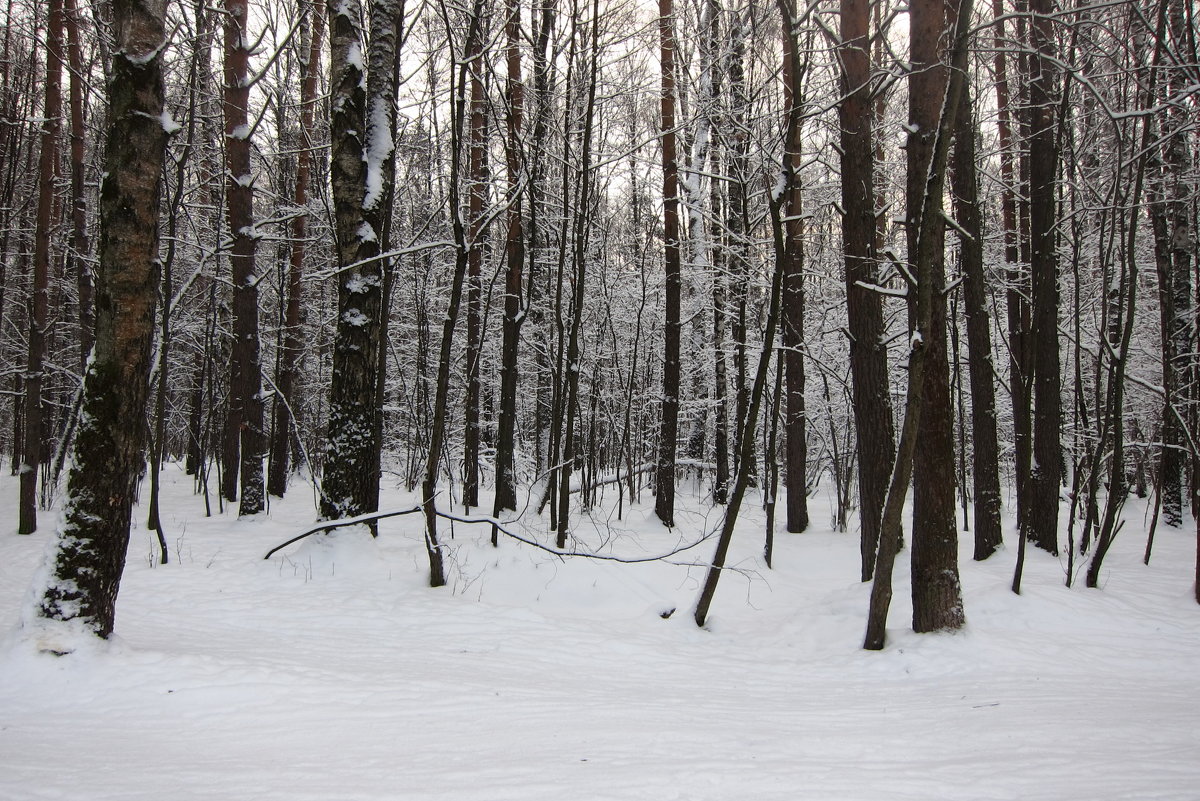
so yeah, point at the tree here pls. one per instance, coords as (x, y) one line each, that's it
(984, 440)
(940, 605)
(292, 346)
(664, 500)
(244, 427)
(362, 132)
(89, 552)
(792, 322)
(864, 309)
(937, 601)
(1043, 168)
(39, 311)
(514, 258)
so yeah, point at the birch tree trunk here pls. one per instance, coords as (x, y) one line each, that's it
(89, 553)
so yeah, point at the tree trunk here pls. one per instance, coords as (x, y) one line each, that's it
(89, 554)
(1043, 167)
(293, 344)
(936, 591)
(792, 312)
(475, 244)
(77, 261)
(245, 381)
(985, 444)
(943, 604)
(362, 187)
(514, 252)
(40, 303)
(864, 309)
(664, 501)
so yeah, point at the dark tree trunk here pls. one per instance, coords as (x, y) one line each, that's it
(664, 502)
(77, 261)
(792, 312)
(514, 252)
(1043, 166)
(475, 245)
(39, 306)
(89, 555)
(1017, 293)
(985, 444)
(289, 358)
(245, 381)
(939, 600)
(864, 309)
(936, 592)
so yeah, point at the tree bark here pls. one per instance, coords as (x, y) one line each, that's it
(1043, 167)
(245, 381)
(792, 312)
(89, 553)
(39, 306)
(514, 252)
(664, 501)
(936, 591)
(985, 444)
(289, 358)
(864, 309)
(362, 188)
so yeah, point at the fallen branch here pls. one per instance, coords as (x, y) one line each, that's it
(501, 526)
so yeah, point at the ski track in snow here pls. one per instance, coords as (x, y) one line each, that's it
(332, 671)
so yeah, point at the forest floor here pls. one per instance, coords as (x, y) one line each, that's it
(331, 671)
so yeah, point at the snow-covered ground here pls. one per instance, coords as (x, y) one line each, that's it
(333, 672)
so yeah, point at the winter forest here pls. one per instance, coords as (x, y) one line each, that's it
(921, 277)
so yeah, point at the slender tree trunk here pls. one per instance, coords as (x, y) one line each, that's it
(864, 309)
(245, 381)
(582, 236)
(985, 445)
(514, 252)
(792, 313)
(664, 502)
(89, 554)
(437, 434)
(1043, 167)
(77, 261)
(40, 303)
(475, 244)
(289, 358)
(1016, 296)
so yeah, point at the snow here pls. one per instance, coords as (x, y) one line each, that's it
(332, 671)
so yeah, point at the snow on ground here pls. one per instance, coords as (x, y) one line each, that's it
(332, 672)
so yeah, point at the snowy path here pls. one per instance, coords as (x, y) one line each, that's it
(334, 673)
